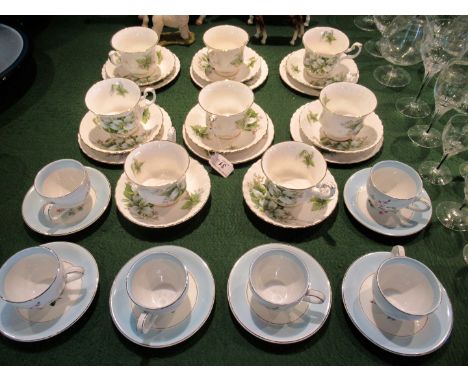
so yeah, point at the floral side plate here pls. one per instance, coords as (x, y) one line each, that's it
(252, 131)
(304, 215)
(98, 139)
(145, 214)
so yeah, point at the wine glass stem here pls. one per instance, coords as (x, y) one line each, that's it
(427, 78)
(442, 161)
(462, 206)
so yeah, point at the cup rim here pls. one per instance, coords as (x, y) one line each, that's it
(224, 26)
(11, 260)
(133, 270)
(134, 28)
(43, 169)
(315, 29)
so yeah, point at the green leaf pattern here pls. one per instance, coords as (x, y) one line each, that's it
(318, 64)
(192, 199)
(159, 56)
(146, 115)
(136, 166)
(312, 117)
(201, 131)
(204, 64)
(349, 145)
(117, 125)
(328, 36)
(238, 60)
(353, 125)
(307, 158)
(318, 204)
(137, 205)
(119, 89)
(123, 143)
(251, 62)
(250, 121)
(145, 62)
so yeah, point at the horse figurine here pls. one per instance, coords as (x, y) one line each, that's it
(298, 23)
(178, 22)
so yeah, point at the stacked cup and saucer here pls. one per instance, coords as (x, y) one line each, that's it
(161, 186)
(279, 293)
(325, 59)
(397, 303)
(137, 56)
(226, 120)
(290, 186)
(342, 123)
(227, 56)
(162, 296)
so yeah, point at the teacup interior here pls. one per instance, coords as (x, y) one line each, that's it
(226, 98)
(279, 277)
(347, 99)
(60, 178)
(225, 37)
(395, 182)
(325, 40)
(134, 39)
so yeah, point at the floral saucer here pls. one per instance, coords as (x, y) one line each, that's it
(145, 214)
(239, 156)
(407, 338)
(404, 223)
(118, 159)
(30, 325)
(247, 69)
(369, 136)
(345, 71)
(273, 326)
(252, 131)
(78, 219)
(98, 139)
(344, 157)
(293, 84)
(170, 328)
(304, 215)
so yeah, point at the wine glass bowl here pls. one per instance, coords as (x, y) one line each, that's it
(381, 23)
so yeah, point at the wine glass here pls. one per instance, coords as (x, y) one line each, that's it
(454, 141)
(372, 46)
(365, 23)
(444, 38)
(454, 215)
(450, 92)
(400, 46)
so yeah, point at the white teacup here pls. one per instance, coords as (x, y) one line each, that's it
(393, 185)
(35, 277)
(325, 48)
(157, 284)
(345, 106)
(280, 280)
(294, 173)
(226, 104)
(225, 45)
(135, 50)
(63, 185)
(118, 105)
(158, 170)
(404, 288)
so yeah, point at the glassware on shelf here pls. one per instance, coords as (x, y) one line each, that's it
(365, 23)
(381, 23)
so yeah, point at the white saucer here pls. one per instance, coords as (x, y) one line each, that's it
(300, 326)
(239, 156)
(301, 216)
(98, 139)
(197, 117)
(331, 157)
(406, 222)
(345, 71)
(428, 336)
(73, 303)
(121, 305)
(367, 138)
(247, 70)
(118, 159)
(94, 207)
(188, 205)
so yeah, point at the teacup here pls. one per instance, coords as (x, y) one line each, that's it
(392, 186)
(404, 288)
(35, 277)
(325, 47)
(157, 284)
(227, 104)
(63, 185)
(135, 51)
(158, 170)
(225, 45)
(278, 279)
(344, 107)
(294, 173)
(118, 105)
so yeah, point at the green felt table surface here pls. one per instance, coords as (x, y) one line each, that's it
(41, 126)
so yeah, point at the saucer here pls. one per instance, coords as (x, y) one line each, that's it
(332, 157)
(98, 199)
(293, 84)
(405, 223)
(204, 137)
(399, 337)
(248, 69)
(368, 137)
(183, 325)
(98, 139)
(118, 159)
(73, 303)
(345, 71)
(239, 156)
(304, 215)
(299, 325)
(148, 215)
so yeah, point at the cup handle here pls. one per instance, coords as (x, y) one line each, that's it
(54, 219)
(356, 45)
(326, 191)
(314, 296)
(425, 202)
(114, 57)
(398, 251)
(75, 272)
(147, 91)
(211, 57)
(145, 322)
